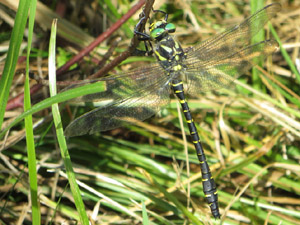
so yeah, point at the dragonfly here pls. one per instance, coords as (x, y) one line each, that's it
(141, 92)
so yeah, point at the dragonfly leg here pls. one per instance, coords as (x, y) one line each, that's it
(141, 36)
(163, 12)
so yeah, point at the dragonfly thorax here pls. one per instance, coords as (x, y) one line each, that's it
(170, 54)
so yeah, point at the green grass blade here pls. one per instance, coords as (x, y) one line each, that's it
(114, 13)
(12, 55)
(60, 133)
(145, 216)
(260, 36)
(36, 217)
(285, 54)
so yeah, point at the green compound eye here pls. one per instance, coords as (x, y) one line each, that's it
(170, 27)
(156, 33)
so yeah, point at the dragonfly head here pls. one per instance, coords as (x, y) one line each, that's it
(160, 29)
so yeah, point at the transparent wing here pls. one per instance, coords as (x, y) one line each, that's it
(213, 75)
(216, 62)
(137, 94)
(121, 85)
